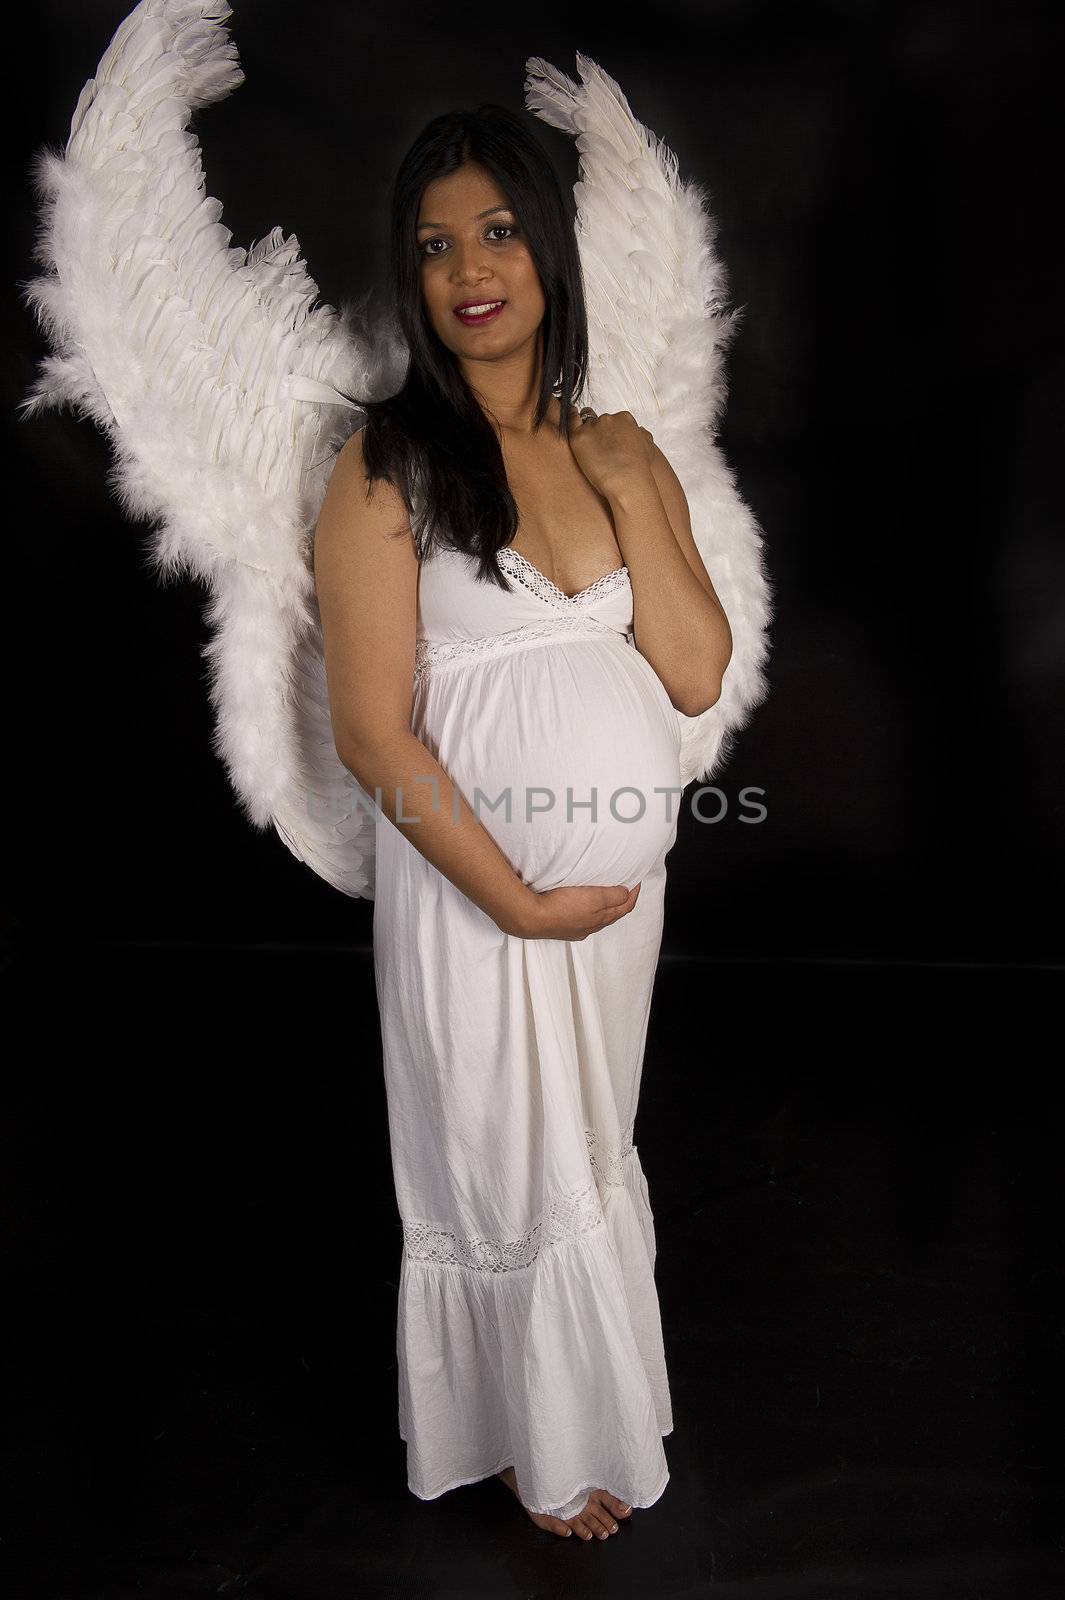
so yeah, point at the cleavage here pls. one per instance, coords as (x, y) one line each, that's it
(552, 493)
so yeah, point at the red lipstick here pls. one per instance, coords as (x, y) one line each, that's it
(469, 321)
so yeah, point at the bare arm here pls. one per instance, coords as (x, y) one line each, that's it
(679, 623)
(366, 576)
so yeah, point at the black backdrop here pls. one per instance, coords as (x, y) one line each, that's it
(854, 998)
(875, 171)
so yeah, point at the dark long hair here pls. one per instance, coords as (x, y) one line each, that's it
(431, 440)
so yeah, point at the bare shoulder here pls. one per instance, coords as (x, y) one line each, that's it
(356, 514)
(349, 470)
(352, 456)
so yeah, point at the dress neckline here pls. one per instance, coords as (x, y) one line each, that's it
(569, 599)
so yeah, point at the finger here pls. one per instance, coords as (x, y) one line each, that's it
(615, 915)
(625, 906)
(621, 888)
(619, 906)
(604, 914)
(612, 889)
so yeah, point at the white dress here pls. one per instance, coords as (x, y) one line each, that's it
(528, 1328)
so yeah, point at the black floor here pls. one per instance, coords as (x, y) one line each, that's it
(855, 1176)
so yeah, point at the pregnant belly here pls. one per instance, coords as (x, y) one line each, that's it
(569, 754)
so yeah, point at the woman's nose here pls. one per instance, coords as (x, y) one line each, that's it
(470, 262)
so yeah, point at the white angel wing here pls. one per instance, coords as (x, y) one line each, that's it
(657, 332)
(217, 384)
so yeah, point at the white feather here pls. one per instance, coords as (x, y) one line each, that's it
(217, 380)
(653, 288)
(190, 355)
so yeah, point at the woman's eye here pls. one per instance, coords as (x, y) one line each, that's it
(499, 227)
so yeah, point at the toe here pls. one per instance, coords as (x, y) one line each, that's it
(581, 1527)
(619, 1508)
(599, 1520)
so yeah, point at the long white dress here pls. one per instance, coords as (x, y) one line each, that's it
(528, 1331)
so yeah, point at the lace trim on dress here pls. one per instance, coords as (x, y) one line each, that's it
(569, 1215)
(433, 653)
(521, 568)
(608, 1162)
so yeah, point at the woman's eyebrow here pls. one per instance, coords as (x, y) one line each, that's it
(477, 218)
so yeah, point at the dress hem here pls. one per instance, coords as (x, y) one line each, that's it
(637, 1505)
(462, 1483)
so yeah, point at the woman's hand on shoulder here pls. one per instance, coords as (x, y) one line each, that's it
(611, 450)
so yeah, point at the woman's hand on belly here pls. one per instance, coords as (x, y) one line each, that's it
(575, 912)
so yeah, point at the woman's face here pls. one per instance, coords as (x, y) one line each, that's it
(467, 256)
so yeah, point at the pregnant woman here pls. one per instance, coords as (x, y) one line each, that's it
(469, 651)
(514, 612)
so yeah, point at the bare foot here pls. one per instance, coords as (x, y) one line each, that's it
(597, 1520)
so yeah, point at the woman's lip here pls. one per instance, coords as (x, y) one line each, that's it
(475, 322)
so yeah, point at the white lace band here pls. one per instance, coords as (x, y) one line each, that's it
(568, 1215)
